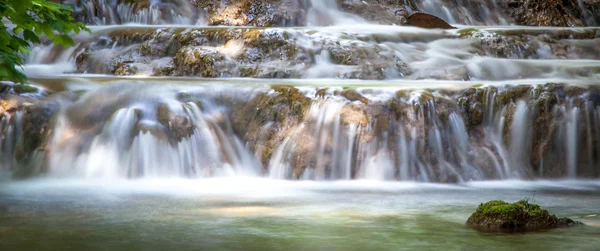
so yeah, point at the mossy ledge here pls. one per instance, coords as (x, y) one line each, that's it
(521, 216)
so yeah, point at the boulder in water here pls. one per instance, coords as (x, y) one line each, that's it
(520, 216)
(427, 21)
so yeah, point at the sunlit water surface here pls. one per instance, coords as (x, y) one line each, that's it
(263, 214)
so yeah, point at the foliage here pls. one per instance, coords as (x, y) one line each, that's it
(23, 23)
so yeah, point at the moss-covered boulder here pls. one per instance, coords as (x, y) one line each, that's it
(520, 216)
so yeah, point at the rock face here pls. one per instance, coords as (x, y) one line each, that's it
(257, 53)
(544, 13)
(520, 12)
(520, 216)
(377, 11)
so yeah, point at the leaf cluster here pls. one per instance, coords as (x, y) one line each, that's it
(25, 22)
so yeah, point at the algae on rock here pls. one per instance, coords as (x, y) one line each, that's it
(499, 215)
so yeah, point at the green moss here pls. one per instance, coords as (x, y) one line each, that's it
(499, 214)
(164, 71)
(518, 209)
(467, 32)
(124, 69)
(512, 94)
(133, 35)
(296, 102)
(24, 89)
(248, 71)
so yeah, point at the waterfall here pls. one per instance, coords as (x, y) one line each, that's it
(110, 12)
(519, 144)
(154, 93)
(326, 13)
(572, 142)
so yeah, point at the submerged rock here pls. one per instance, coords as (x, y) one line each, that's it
(520, 216)
(18, 89)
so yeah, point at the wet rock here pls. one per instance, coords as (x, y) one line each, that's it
(38, 119)
(544, 13)
(472, 105)
(353, 95)
(261, 13)
(269, 118)
(370, 61)
(354, 115)
(198, 61)
(17, 89)
(427, 21)
(500, 46)
(512, 94)
(178, 126)
(258, 53)
(379, 12)
(125, 69)
(514, 217)
(163, 43)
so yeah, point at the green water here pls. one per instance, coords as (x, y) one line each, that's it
(260, 214)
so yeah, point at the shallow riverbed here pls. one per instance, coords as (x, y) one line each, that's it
(263, 214)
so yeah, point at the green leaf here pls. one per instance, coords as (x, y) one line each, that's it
(29, 35)
(31, 19)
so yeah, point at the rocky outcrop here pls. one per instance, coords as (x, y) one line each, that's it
(545, 13)
(520, 12)
(520, 216)
(265, 13)
(268, 119)
(258, 53)
(378, 12)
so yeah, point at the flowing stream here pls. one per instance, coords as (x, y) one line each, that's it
(159, 131)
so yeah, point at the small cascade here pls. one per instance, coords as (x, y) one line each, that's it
(10, 134)
(327, 13)
(51, 59)
(519, 146)
(328, 132)
(572, 127)
(438, 9)
(111, 12)
(178, 140)
(589, 14)
(465, 12)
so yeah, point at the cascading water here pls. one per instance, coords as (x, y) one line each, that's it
(143, 140)
(215, 124)
(409, 128)
(111, 12)
(173, 132)
(327, 12)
